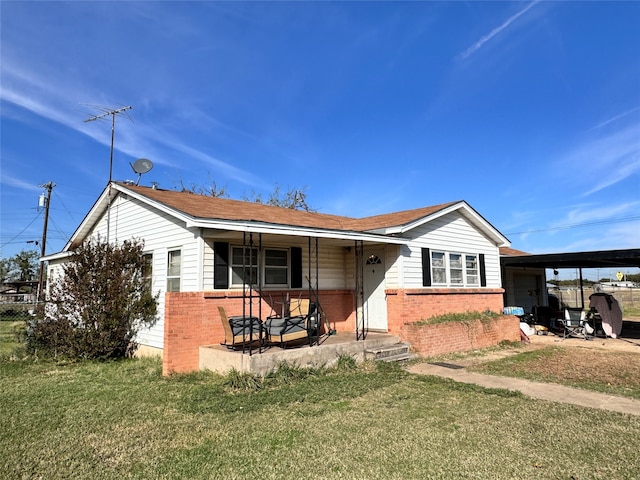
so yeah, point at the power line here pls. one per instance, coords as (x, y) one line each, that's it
(21, 232)
(574, 225)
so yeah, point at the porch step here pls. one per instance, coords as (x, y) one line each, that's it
(390, 353)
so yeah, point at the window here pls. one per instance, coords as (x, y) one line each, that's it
(472, 269)
(373, 259)
(276, 267)
(246, 268)
(273, 267)
(455, 269)
(174, 264)
(147, 269)
(438, 268)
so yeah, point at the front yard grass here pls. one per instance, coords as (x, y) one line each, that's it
(9, 336)
(123, 420)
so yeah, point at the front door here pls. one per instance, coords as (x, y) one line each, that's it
(375, 303)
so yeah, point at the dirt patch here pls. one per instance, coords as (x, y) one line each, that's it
(610, 365)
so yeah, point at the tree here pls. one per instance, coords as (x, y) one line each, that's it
(28, 264)
(98, 305)
(5, 269)
(294, 198)
(21, 267)
(211, 190)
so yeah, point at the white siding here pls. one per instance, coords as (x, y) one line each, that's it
(161, 233)
(451, 233)
(393, 264)
(207, 265)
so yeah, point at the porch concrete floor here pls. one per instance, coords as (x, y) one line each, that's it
(221, 359)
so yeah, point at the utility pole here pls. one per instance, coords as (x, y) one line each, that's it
(47, 200)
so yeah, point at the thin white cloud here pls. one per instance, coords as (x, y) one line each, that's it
(50, 98)
(496, 31)
(580, 227)
(615, 118)
(605, 160)
(612, 237)
(591, 214)
(10, 181)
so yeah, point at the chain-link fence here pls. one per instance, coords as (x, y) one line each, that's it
(14, 311)
(572, 297)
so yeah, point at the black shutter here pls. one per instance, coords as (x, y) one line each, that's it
(296, 267)
(220, 265)
(426, 267)
(483, 272)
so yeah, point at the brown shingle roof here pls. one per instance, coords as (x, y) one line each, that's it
(396, 219)
(512, 252)
(215, 208)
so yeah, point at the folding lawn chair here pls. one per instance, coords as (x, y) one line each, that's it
(573, 323)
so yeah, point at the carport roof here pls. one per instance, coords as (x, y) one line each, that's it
(596, 259)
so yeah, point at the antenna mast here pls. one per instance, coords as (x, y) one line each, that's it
(113, 114)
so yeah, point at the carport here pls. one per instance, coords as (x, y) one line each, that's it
(577, 260)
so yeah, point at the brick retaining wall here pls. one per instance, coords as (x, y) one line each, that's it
(412, 305)
(438, 339)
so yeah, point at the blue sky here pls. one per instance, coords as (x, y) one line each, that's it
(529, 111)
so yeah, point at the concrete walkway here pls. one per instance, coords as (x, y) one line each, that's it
(544, 391)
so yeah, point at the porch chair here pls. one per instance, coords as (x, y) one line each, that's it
(293, 326)
(241, 331)
(573, 322)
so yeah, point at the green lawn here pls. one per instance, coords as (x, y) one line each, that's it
(8, 338)
(124, 420)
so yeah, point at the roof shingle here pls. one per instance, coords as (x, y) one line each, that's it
(216, 208)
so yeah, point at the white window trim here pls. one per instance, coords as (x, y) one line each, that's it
(149, 278)
(232, 283)
(261, 265)
(179, 276)
(287, 267)
(447, 268)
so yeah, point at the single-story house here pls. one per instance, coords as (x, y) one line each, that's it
(368, 274)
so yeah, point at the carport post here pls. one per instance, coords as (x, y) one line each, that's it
(581, 289)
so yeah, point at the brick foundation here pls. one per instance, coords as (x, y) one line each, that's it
(430, 340)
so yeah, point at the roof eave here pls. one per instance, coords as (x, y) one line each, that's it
(477, 219)
(277, 229)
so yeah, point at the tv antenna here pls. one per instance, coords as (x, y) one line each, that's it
(113, 114)
(140, 166)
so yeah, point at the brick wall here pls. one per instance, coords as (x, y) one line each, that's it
(430, 340)
(192, 320)
(412, 305)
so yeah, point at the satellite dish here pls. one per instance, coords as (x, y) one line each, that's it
(140, 166)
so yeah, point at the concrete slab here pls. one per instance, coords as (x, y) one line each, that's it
(220, 359)
(543, 391)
